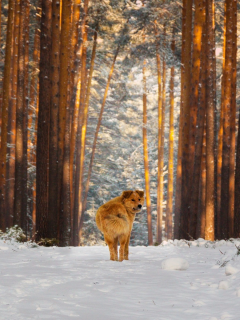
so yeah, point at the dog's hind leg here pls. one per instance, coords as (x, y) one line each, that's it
(110, 244)
(122, 240)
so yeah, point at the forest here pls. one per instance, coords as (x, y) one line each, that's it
(97, 97)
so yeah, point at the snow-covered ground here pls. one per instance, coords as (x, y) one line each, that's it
(81, 283)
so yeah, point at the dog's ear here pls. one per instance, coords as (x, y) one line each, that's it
(141, 193)
(126, 194)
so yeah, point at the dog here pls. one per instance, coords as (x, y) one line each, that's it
(115, 220)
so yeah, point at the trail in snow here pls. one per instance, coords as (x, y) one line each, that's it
(81, 283)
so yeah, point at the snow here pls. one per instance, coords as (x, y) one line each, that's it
(229, 270)
(81, 283)
(175, 264)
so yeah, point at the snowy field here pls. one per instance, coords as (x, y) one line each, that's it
(81, 283)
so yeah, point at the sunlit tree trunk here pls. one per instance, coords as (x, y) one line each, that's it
(145, 157)
(18, 194)
(220, 137)
(159, 78)
(4, 114)
(12, 118)
(197, 45)
(42, 216)
(237, 176)
(25, 222)
(195, 192)
(209, 229)
(201, 220)
(233, 122)
(82, 120)
(169, 208)
(54, 197)
(64, 127)
(226, 123)
(185, 101)
(74, 92)
(85, 117)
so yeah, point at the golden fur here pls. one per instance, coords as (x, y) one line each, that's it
(115, 220)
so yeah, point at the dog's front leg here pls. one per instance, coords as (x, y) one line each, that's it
(126, 249)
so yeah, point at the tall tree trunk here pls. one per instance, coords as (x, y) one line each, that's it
(74, 92)
(5, 103)
(54, 197)
(233, 122)
(83, 114)
(197, 45)
(85, 118)
(18, 194)
(42, 214)
(64, 127)
(226, 123)
(25, 221)
(195, 200)
(169, 208)
(159, 78)
(145, 156)
(185, 101)
(209, 230)
(32, 115)
(220, 137)
(201, 220)
(12, 118)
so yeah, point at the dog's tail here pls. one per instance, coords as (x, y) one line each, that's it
(116, 223)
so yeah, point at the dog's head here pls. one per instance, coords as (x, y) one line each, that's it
(133, 200)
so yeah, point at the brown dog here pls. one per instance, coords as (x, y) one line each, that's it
(115, 220)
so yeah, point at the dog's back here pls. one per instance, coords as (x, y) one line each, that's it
(112, 218)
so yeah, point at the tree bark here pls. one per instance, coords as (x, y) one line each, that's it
(233, 122)
(5, 103)
(159, 78)
(226, 124)
(169, 209)
(12, 118)
(209, 229)
(64, 127)
(197, 45)
(194, 199)
(185, 101)
(54, 197)
(145, 157)
(42, 214)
